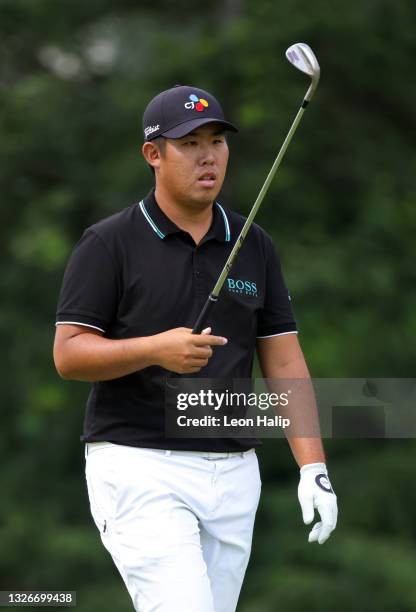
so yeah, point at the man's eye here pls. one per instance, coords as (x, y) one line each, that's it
(217, 140)
(190, 143)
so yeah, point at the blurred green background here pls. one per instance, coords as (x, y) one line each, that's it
(74, 80)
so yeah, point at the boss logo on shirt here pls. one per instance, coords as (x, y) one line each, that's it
(242, 287)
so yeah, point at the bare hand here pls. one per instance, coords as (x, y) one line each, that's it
(179, 350)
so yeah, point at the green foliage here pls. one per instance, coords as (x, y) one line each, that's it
(74, 80)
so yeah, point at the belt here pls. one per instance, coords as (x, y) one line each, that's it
(211, 455)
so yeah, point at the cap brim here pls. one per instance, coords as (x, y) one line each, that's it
(188, 126)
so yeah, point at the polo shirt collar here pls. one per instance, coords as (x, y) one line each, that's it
(163, 226)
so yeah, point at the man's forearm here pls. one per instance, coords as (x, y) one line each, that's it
(89, 357)
(304, 449)
(307, 450)
(282, 361)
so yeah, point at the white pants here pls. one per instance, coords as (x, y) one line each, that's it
(177, 524)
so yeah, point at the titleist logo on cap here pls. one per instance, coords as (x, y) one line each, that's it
(150, 129)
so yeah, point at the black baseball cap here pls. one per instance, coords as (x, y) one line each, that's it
(177, 111)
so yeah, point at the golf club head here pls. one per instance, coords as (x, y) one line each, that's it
(303, 58)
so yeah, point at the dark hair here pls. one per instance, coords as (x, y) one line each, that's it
(161, 142)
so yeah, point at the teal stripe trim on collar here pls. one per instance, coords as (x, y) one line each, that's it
(150, 221)
(227, 225)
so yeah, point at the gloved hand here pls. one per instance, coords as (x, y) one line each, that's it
(315, 491)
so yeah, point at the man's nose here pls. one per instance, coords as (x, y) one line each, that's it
(207, 157)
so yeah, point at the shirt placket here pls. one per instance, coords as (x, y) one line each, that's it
(197, 273)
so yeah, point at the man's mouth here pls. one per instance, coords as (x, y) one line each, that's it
(207, 179)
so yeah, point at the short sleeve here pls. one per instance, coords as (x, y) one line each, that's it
(89, 292)
(277, 316)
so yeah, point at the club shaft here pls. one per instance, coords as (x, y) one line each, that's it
(256, 205)
(213, 297)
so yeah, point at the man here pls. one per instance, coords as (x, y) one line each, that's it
(177, 514)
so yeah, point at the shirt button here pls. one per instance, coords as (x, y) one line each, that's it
(197, 273)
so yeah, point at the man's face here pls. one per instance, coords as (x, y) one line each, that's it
(192, 169)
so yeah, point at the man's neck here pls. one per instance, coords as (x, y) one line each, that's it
(194, 220)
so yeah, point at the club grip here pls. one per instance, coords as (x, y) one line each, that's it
(203, 317)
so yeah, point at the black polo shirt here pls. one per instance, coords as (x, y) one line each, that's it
(137, 274)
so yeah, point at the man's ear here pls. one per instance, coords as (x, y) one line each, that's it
(151, 153)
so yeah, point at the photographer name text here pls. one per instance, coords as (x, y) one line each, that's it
(227, 421)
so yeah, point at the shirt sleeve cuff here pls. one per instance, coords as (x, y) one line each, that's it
(268, 331)
(294, 331)
(81, 319)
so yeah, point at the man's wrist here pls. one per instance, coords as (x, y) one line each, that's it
(148, 350)
(313, 467)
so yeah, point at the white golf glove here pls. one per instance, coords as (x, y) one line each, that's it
(315, 491)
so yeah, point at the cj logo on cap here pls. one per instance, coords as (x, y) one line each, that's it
(198, 104)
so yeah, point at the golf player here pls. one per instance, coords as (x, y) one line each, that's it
(177, 514)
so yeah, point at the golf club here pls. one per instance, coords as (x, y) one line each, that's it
(303, 58)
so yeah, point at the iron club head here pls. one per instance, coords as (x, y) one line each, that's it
(303, 58)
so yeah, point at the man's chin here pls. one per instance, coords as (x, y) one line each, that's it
(206, 195)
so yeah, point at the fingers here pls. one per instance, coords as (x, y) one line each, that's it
(325, 513)
(320, 533)
(202, 348)
(308, 512)
(193, 365)
(323, 529)
(202, 352)
(185, 353)
(324, 534)
(197, 363)
(208, 339)
(315, 532)
(191, 370)
(205, 337)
